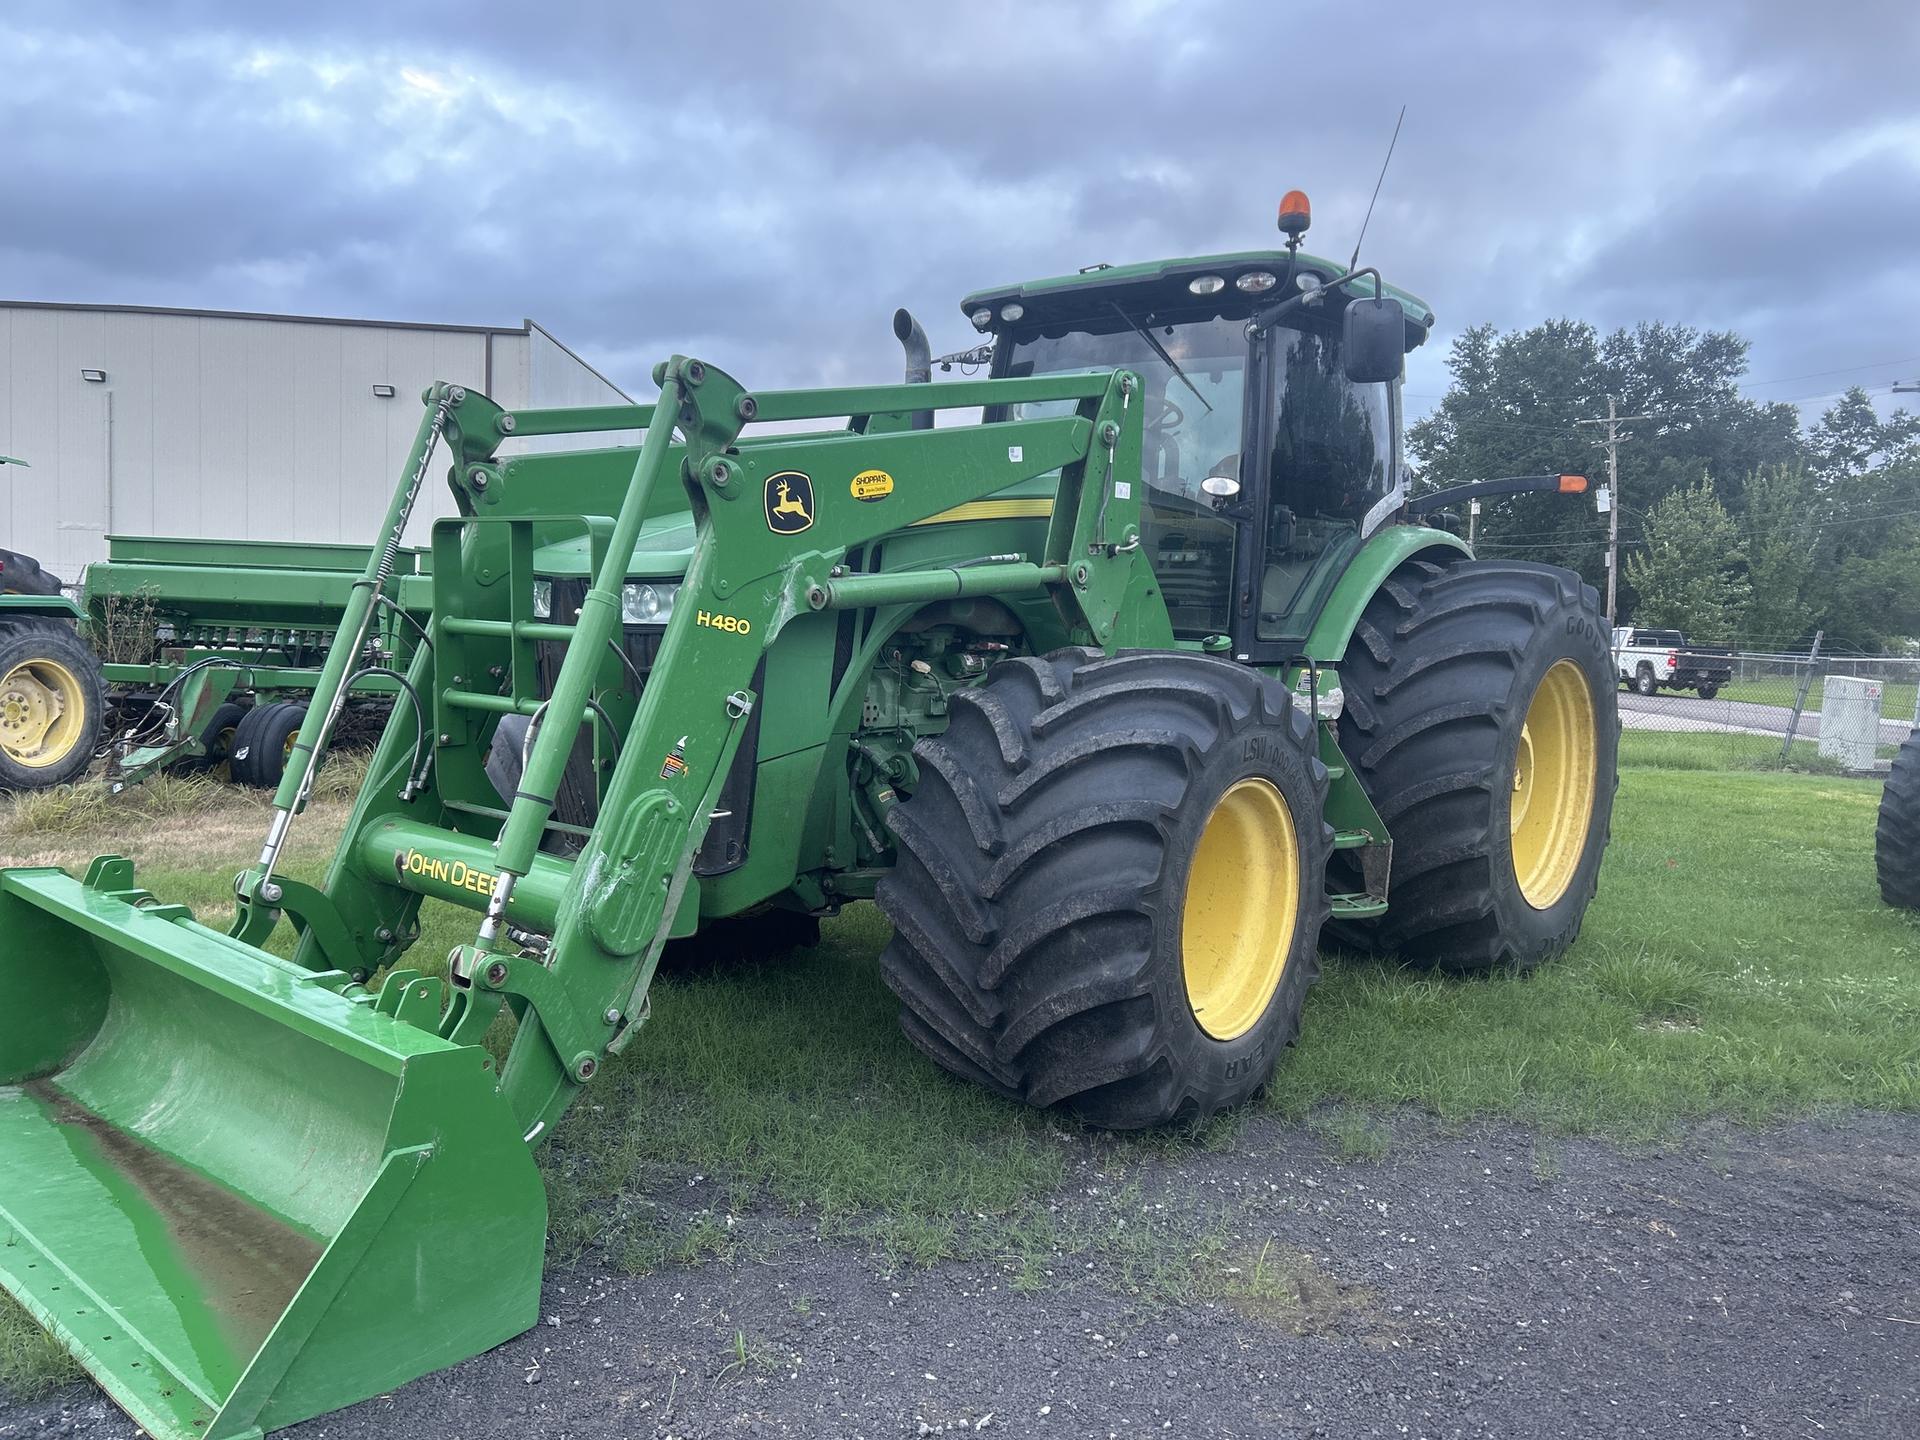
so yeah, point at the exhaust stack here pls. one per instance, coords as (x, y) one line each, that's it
(919, 358)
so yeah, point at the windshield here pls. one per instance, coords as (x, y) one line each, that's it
(1333, 460)
(1192, 430)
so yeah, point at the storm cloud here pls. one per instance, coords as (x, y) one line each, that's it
(760, 184)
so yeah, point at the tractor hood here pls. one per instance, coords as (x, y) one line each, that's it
(664, 551)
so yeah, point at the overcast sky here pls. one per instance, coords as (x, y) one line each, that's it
(760, 185)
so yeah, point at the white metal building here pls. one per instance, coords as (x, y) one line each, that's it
(227, 425)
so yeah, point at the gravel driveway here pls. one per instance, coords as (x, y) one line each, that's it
(1741, 1283)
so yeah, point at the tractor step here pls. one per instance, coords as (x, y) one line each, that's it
(1356, 907)
(1353, 839)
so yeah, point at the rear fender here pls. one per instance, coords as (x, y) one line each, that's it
(1384, 553)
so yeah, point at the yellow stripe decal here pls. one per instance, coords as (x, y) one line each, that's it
(992, 510)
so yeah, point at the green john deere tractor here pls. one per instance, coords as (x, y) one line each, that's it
(52, 699)
(1113, 701)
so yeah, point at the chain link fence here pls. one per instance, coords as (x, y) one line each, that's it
(1844, 714)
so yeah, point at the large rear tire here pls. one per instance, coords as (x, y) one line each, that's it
(1110, 884)
(1896, 839)
(1482, 719)
(52, 702)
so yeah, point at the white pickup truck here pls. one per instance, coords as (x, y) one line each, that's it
(1655, 660)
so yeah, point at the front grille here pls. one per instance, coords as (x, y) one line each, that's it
(577, 801)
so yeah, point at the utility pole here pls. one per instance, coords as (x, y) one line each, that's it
(1613, 421)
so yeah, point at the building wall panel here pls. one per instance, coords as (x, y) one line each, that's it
(233, 426)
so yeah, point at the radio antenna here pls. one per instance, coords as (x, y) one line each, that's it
(1376, 188)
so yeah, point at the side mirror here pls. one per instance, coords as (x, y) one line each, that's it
(1374, 341)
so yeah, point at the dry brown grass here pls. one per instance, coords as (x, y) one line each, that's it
(172, 822)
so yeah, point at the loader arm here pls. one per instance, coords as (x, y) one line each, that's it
(774, 523)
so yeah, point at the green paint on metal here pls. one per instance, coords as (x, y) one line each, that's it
(1384, 553)
(51, 606)
(237, 1192)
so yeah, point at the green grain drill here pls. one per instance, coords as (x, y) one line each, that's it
(1113, 699)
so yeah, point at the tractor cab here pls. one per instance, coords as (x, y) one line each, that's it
(1266, 462)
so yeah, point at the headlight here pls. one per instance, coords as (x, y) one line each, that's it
(1206, 284)
(981, 318)
(543, 599)
(647, 602)
(1254, 281)
(1011, 313)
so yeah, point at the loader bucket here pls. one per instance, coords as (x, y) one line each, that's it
(239, 1197)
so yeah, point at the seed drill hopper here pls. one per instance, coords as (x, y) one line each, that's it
(1109, 722)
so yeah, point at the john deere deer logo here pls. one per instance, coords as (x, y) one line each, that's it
(789, 502)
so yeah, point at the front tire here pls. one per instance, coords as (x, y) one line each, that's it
(52, 702)
(1110, 884)
(1896, 839)
(1481, 718)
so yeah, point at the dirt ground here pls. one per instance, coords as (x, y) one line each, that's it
(1740, 1283)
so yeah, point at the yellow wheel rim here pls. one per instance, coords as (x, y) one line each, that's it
(1554, 775)
(1243, 902)
(42, 713)
(221, 745)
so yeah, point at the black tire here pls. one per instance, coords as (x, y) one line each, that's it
(1439, 678)
(219, 736)
(1708, 691)
(23, 575)
(44, 666)
(1643, 680)
(260, 743)
(1896, 839)
(1041, 882)
(741, 940)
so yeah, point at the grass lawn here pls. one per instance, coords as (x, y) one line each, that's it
(1896, 696)
(1737, 962)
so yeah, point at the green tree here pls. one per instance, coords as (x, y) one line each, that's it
(1781, 537)
(1851, 441)
(1866, 476)
(1514, 399)
(1691, 573)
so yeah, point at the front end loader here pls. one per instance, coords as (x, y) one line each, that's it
(1112, 700)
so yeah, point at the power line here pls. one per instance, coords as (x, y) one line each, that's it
(1842, 370)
